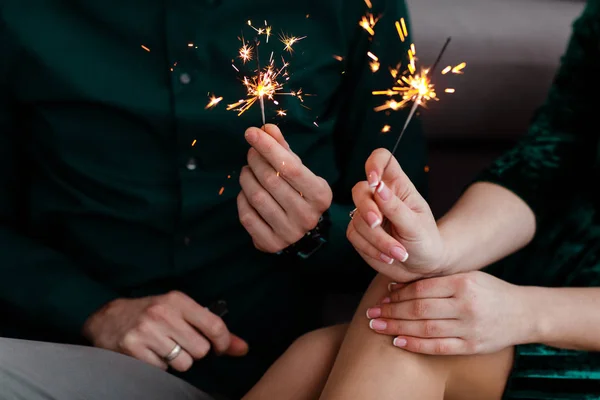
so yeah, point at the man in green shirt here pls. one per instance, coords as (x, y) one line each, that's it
(120, 201)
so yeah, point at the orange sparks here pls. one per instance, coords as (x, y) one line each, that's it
(194, 143)
(386, 129)
(375, 63)
(455, 70)
(368, 22)
(213, 102)
(449, 90)
(426, 169)
(190, 44)
(245, 53)
(228, 176)
(368, 3)
(400, 33)
(262, 31)
(221, 191)
(289, 41)
(146, 48)
(339, 58)
(281, 113)
(458, 69)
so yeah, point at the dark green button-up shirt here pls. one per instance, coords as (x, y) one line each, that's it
(103, 195)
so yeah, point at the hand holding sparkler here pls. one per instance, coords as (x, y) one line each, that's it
(281, 199)
(411, 228)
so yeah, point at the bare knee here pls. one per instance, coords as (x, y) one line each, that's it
(324, 340)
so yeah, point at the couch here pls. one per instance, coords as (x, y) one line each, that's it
(512, 49)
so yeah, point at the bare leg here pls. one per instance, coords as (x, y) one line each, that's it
(301, 373)
(368, 367)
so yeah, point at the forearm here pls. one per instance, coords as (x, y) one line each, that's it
(487, 223)
(566, 318)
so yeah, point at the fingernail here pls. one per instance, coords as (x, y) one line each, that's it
(250, 135)
(373, 220)
(384, 192)
(386, 259)
(373, 179)
(399, 253)
(386, 300)
(391, 286)
(374, 312)
(377, 324)
(399, 342)
(287, 145)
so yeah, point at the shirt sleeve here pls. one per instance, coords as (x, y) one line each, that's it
(35, 281)
(558, 153)
(358, 130)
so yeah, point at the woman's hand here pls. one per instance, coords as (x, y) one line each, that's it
(409, 246)
(469, 313)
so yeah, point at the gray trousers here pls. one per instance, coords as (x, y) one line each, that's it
(44, 371)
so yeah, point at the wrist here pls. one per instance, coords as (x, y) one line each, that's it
(449, 257)
(536, 305)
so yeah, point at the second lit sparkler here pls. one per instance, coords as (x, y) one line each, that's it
(268, 81)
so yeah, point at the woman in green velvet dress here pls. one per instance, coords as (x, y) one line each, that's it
(528, 327)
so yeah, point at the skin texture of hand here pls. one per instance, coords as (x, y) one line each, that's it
(470, 313)
(148, 329)
(409, 245)
(281, 199)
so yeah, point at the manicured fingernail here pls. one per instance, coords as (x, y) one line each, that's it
(399, 342)
(384, 192)
(377, 324)
(373, 220)
(391, 286)
(386, 300)
(399, 253)
(386, 259)
(250, 135)
(373, 179)
(374, 312)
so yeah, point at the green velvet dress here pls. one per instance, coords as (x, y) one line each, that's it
(555, 169)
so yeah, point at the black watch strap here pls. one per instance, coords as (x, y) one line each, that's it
(312, 242)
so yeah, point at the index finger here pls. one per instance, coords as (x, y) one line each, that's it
(380, 167)
(431, 288)
(210, 325)
(283, 161)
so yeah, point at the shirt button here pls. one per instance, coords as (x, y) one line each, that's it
(191, 164)
(185, 78)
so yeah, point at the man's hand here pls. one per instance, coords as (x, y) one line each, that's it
(388, 194)
(281, 199)
(469, 313)
(149, 328)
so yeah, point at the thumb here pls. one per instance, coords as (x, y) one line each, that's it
(238, 347)
(402, 217)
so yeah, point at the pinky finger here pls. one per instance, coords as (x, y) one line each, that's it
(363, 246)
(440, 347)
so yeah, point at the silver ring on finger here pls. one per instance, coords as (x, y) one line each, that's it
(173, 354)
(352, 213)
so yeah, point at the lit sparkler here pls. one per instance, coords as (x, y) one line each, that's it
(410, 85)
(269, 80)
